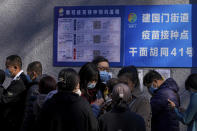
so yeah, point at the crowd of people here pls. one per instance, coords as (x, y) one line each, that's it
(91, 100)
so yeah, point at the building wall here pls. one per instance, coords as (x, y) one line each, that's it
(26, 29)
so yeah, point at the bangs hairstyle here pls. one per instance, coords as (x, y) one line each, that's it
(87, 73)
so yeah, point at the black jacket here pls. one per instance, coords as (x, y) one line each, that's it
(23, 77)
(12, 101)
(29, 116)
(121, 120)
(66, 112)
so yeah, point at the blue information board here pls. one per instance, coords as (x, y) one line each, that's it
(194, 37)
(144, 36)
(158, 36)
(83, 32)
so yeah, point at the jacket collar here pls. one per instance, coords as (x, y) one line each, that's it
(17, 76)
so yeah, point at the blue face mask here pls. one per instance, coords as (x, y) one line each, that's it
(91, 85)
(104, 76)
(28, 78)
(152, 90)
(8, 73)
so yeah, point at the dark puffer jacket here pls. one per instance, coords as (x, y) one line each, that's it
(163, 117)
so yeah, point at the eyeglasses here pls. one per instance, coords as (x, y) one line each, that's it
(103, 68)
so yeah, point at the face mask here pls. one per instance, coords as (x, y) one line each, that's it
(78, 92)
(91, 85)
(105, 76)
(28, 78)
(8, 73)
(152, 89)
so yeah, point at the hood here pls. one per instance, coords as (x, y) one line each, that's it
(170, 83)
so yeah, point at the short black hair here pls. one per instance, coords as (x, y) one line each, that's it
(14, 60)
(2, 76)
(191, 82)
(99, 59)
(151, 76)
(35, 66)
(87, 73)
(131, 73)
(47, 84)
(68, 80)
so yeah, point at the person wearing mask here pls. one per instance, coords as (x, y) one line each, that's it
(121, 118)
(13, 97)
(14, 69)
(189, 117)
(139, 103)
(103, 66)
(91, 87)
(34, 73)
(67, 110)
(163, 117)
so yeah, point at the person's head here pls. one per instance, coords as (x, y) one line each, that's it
(103, 66)
(191, 83)
(89, 76)
(68, 81)
(2, 77)
(129, 76)
(121, 95)
(152, 80)
(46, 84)
(111, 83)
(101, 62)
(34, 70)
(13, 65)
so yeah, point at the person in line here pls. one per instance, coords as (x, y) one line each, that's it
(103, 66)
(12, 99)
(14, 69)
(46, 84)
(189, 117)
(139, 103)
(67, 110)
(90, 86)
(34, 73)
(107, 105)
(121, 118)
(163, 117)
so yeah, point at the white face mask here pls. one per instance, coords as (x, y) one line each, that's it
(78, 92)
